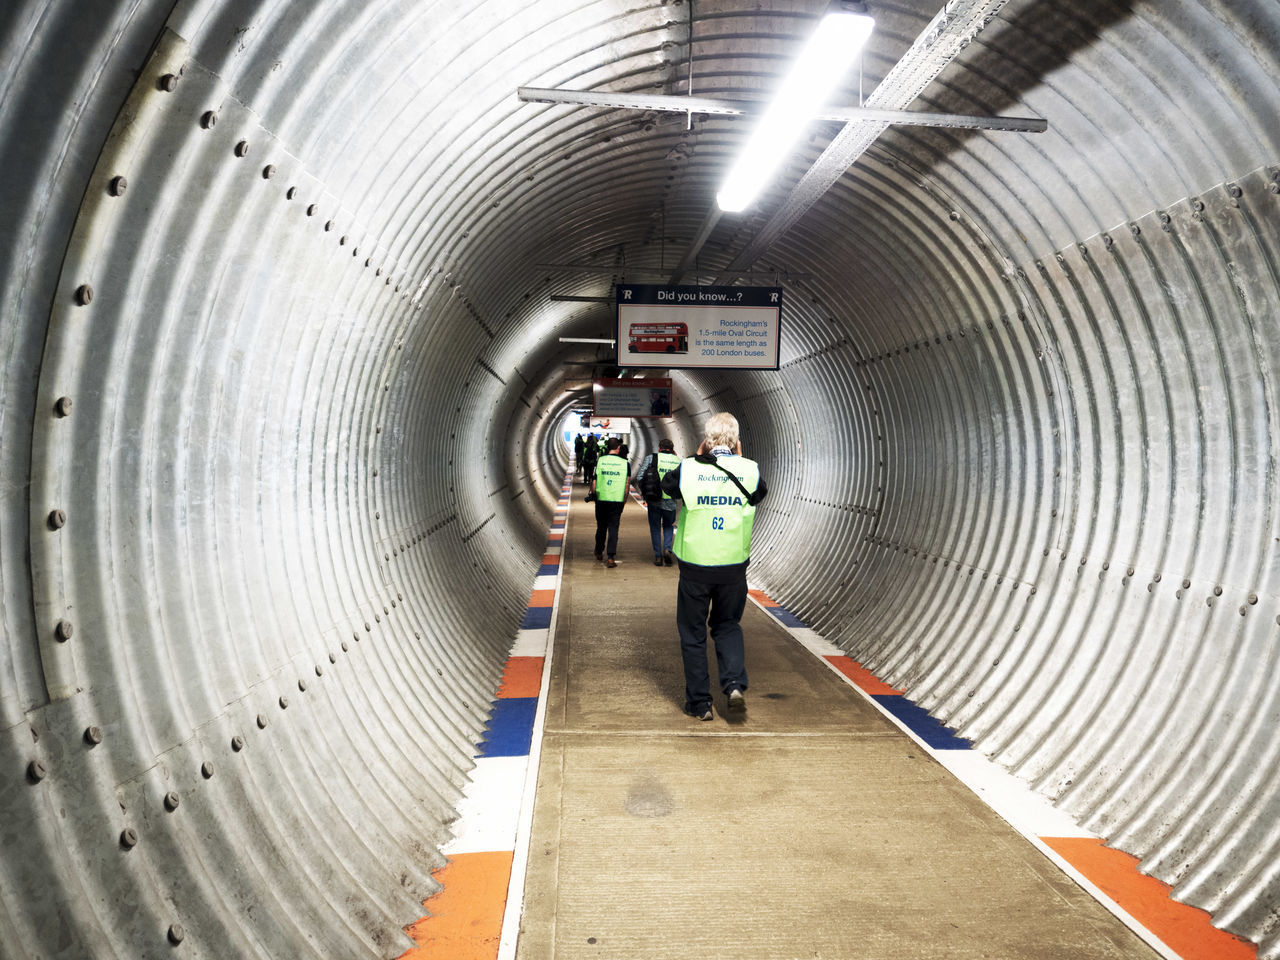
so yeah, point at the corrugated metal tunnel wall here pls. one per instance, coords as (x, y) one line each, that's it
(281, 378)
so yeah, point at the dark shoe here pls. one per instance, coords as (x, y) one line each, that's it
(699, 713)
(657, 561)
(600, 556)
(737, 702)
(668, 559)
(611, 563)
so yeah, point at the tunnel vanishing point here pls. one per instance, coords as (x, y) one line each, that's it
(283, 297)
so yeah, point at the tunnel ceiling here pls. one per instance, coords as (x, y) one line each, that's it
(283, 373)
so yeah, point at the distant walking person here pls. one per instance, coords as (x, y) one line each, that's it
(718, 490)
(662, 508)
(609, 484)
(577, 452)
(590, 454)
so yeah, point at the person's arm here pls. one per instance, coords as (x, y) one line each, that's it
(671, 484)
(762, 490)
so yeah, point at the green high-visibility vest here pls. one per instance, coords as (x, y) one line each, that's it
(714, 528)
(611, 479)
(666, 463)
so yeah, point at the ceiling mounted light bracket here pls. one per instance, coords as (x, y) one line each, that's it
(666, 103)
(826, 57)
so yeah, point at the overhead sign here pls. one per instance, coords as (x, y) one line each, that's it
(632, 397)
(605, 425)
(731, 328)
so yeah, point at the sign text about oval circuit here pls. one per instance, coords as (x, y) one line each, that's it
(677, 327)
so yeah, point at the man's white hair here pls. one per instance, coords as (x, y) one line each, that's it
(722, 431)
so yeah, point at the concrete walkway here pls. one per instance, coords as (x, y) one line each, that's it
(811, 829)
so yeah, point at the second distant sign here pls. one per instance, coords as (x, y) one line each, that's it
(735, 328)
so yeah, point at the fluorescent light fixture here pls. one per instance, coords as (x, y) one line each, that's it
(822, 63)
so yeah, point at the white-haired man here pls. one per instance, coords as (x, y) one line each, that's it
(718, 489)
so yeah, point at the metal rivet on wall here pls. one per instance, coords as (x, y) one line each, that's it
(242, 148)
(209, 119)
(262, 721)
(63, 630)
(171, 801)
(84, 294)
(62, 407)
(284, 703)
(237, 743)
(57, 519)
(128, 838)
(176, 933)
(117, 186)
(268, 171)
(36, 771)
(168, 83)
(93, 736)
(206, 770)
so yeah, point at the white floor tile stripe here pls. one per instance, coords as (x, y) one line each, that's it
(524, 828)
(490, 807)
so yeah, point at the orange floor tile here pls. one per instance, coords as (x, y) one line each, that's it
(464, 919)
(542, 598)
(863, 678)
(522, 678)
(1186, 929)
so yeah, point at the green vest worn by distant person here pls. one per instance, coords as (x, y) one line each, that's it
(715, 523)
(666, 463)
(611, 479)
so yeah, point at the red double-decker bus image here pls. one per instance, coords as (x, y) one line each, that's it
(658, 338)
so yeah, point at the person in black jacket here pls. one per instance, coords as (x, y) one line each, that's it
(590, 453)
(718, 489)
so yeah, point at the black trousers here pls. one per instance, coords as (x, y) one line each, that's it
(608, 516)
(718, 606)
